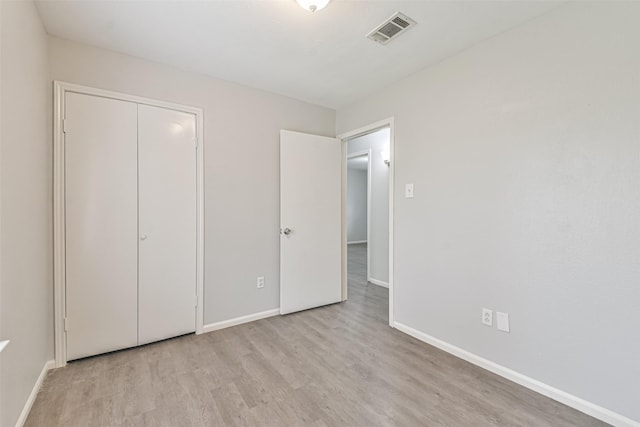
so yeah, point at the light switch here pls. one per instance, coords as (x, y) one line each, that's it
(503, 321)
(408, 191)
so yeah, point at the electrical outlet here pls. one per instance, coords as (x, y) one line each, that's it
(260, 282)
(487, 317)
(502, 320)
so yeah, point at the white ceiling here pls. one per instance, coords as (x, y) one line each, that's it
(322, 57)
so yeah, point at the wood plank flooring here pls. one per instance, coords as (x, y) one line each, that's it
(339, 365)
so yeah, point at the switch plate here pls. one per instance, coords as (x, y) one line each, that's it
(260, 282)
(487, 317)
(502, 319)
(408, 191)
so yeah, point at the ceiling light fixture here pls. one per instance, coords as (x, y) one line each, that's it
(313, 5)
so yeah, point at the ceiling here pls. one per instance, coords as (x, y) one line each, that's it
(322, 57)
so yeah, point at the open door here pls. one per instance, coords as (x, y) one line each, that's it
(310, 221)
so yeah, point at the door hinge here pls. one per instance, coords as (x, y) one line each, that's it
(66, 324)
(195, 142)
(196, 300)
(65, 126)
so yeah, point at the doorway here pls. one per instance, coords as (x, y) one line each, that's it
(368, 210)
(358, 216)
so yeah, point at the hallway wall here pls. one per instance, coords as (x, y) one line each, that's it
(356, 205)
(379, 240)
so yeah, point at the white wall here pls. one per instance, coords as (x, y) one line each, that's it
(241, 152)
(26, 294)
(379, 245)
(525, 155)
(356, 204)
(1, 337)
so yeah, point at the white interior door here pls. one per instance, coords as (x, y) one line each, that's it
(167, 210)
(101, 224)
(310, 221)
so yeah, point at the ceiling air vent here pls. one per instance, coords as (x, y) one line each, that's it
(391, 28)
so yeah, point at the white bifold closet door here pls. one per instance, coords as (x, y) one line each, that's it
(167, 212)
(101, 221)
(130, 201)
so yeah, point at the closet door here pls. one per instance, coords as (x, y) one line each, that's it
(101, 224)
(167, 215)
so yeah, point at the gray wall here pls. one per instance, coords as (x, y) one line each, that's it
(241, 152)
(525, 155)
(26, 294)
(356, 205)
(379, 244)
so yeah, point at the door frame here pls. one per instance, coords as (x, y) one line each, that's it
(345, 137)
(59, 229)
(353, 156)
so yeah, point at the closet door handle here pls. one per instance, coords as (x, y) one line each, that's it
(143, 237)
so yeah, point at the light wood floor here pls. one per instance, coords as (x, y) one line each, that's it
(339, 365)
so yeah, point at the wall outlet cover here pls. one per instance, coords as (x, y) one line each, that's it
(487, 317)
(503, 321)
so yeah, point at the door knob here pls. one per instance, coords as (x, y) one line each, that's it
(143, 237)
(286, 231)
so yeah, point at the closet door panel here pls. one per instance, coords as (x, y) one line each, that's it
(101, 224)
(167, 212)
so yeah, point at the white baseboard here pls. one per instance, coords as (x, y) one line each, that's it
(378, 282)
(356, 242)
(34, 392)
(240, 320)
(575, 402)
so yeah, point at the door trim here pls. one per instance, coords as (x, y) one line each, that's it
(352, 156)
(59, 231)
(345, 137)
